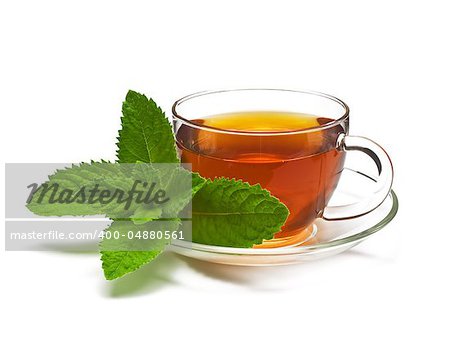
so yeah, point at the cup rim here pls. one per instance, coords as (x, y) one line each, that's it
(328, 125)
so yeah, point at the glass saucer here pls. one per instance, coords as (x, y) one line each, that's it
(327, 238)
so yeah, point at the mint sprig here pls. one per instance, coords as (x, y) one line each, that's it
(225, 212)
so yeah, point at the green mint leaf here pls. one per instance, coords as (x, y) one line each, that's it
(74, 185)
(228, 212)
(63, 181)
(120, 254)
(146, 134)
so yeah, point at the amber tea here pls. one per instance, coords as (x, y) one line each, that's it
(301, 169)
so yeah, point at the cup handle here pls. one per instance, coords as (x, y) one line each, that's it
(384, 180)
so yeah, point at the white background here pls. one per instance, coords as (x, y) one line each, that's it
(66, 67)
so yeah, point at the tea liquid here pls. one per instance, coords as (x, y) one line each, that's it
(302, 170)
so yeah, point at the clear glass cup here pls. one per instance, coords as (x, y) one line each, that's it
(300, 166)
